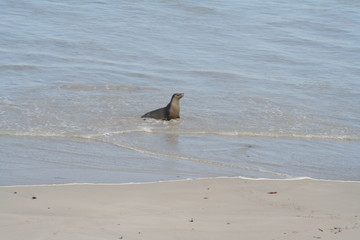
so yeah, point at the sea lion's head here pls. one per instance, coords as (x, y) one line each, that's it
(177, 96)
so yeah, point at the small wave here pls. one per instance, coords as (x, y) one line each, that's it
(29, 134)
(285, 135)
(211, 73)
(194, 7)
(268, 135)
(18, 67)
(161, 127)
(85, 87)
(162, 130)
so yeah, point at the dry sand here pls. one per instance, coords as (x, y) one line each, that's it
(221, 208)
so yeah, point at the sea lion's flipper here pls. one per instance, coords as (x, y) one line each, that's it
(157, 114)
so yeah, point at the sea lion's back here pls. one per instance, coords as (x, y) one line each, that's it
(157, 114)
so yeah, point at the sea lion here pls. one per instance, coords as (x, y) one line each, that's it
(171, 111)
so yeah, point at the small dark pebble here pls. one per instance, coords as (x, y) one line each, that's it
(206, 198)
(191, 220)
(335, 230)
(228, 223)
(321, 230)
(272, 192)
(15, 192)
(33, 198)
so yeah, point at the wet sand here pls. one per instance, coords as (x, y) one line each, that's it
(220, 208)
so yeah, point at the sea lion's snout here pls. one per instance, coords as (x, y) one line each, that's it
(179, 95)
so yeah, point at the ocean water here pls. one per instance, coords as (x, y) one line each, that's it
(272, 90)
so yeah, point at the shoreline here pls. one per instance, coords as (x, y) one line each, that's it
(185, 180)
(211, 208)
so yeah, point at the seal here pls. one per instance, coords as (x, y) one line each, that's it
(171, 111)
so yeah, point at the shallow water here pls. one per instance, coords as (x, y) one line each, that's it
(271, 90)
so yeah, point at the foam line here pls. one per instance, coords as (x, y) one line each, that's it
(154, 130)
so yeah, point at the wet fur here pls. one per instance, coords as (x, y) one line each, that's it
(171, 111)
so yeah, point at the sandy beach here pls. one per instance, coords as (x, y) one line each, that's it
(220, 208)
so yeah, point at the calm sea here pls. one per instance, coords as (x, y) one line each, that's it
(272, 90)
